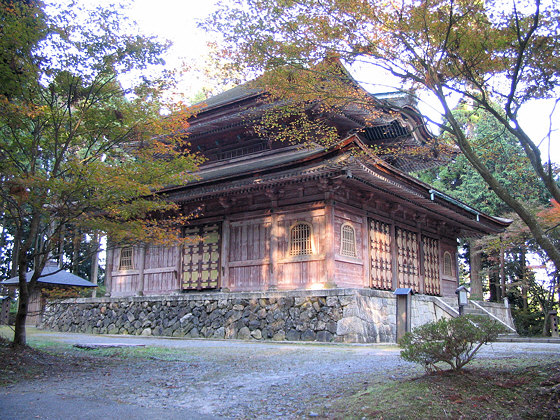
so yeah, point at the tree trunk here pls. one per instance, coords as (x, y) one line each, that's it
(23, 258)
(524, 278)
(475, 266)
(23, 302)
(494, 283)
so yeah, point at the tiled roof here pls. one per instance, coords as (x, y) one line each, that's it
(52, 274)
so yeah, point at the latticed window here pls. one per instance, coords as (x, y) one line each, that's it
(347, 240)
(300, 239)
(447, 264)
(125, 262)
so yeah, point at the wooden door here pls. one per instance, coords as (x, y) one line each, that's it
(408, 262)
(201, 257)
(381, 271)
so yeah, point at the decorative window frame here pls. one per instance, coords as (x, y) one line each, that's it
(350, 243)
(448, 257)
(126, 259)
(310, 243)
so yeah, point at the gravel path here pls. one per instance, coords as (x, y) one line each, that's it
(218, 379)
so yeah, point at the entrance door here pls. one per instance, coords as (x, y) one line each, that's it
(201, 257)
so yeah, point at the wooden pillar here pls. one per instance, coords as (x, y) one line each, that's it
(141, 264)
(273, 257)
(224, 275)
(366, 251)
(329, 278)
(109, 268)
(394, 257)
(179, 267)
(421, 263)
(502, 269)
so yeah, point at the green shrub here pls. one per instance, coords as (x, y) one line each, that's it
(453, 341)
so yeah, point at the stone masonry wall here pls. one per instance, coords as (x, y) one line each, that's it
(343, 315)
(334, 315)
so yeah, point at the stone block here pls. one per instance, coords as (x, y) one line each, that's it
(219, 333)
(324, 336)
(293, 335)
(279, 336)
(244, 333)
(308, 335)
(256, 334)
(350, 325)
(230, 332)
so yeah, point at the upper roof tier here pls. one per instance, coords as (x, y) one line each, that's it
(226, 126)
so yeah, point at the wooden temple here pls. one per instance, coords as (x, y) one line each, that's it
(274, 216)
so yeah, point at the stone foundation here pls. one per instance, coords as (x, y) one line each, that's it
(334, 315)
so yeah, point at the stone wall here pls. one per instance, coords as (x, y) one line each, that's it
(334, 315)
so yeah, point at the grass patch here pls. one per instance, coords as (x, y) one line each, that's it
(503, 391)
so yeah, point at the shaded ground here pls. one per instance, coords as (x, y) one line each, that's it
(213, 379)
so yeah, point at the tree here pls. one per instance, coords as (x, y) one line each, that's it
(497, 57)
(507, 163)
(78, 151)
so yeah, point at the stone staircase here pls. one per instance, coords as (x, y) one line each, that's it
(451, 307)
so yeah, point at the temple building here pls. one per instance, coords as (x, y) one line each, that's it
(275, 216)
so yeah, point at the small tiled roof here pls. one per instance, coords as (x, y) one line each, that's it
(52, 274)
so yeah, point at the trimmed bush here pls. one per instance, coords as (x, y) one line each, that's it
(452, 341)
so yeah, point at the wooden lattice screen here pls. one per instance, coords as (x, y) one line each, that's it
(431, 266)
(407, 259)
(201, 257)
(381, 261)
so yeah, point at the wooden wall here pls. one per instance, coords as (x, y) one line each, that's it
(301, 271)
(349, 271)
(161, 270)
(255, 254)
(248, 254)
(124, 282)
(449, 283)
(155, 271)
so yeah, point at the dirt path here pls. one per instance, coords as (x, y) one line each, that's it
(216, 379)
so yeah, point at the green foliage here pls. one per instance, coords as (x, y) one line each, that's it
(528, 322)
(83, 143)
(452, 341)
(505, 160)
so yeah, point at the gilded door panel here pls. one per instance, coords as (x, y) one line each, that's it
(201, 257)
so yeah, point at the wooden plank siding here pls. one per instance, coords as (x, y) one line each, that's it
(249, 254)
(161, 270)
(125, 282)
(449, 283)
(155, 271)
(301, 271)
(252, 252)
(349, 270)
